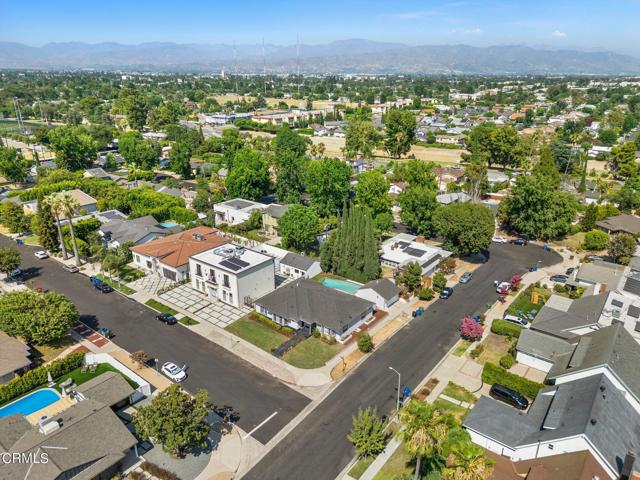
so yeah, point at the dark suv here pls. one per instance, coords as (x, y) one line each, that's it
(167, 318)
(507, 395)
(446, 293)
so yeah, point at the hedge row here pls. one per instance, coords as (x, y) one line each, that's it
(508, 329)
(492, 373)
(38, 376)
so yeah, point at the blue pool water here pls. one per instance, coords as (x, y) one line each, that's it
(31, 403)
(342, 285)
(168, 224)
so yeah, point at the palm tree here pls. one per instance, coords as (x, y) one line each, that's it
(69, 206)
(425, 431)
(465, 460)
(56, 209)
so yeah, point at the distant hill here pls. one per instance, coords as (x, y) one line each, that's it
(344, 56)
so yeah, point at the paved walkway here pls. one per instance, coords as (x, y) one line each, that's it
(381, 459)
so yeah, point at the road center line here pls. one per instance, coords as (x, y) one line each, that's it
(260, 424)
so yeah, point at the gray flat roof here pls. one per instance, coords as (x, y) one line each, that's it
(383, 287)
(301, 262)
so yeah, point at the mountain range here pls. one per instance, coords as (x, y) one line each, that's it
(352, 56)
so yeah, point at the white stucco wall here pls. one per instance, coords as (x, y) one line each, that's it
(533, 362)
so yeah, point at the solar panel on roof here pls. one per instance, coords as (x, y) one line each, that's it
(230, 266)
(633, 311)
(414, 252)
(237, 261)
(403, 244)
(617, 303)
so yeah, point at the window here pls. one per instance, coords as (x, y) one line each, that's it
(226, 280)
(198, 270)
(212, 275)
(170, 274)
(137, 257)
(230, 297)
(224, 295)
(149, 264)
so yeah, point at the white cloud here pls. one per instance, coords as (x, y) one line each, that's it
(558, 34)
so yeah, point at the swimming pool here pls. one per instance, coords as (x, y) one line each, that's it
(342, 285)
(31, 403)
(168, 224)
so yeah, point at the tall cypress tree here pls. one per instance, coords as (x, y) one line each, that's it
(47, 231)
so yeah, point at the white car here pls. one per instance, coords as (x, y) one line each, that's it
(517, 321)
(498, 239)
(174, 372)
(41, 254)
(503, 287)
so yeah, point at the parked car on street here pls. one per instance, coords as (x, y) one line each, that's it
(41, 254)
(466, 277)
(508, 395)
(519, 241)
(499, 239)
(174, 372)
(559, 278)
(166, 318)
(100, 285)
(70, 268)
(503, 287)
(446, 293)
(16, 274)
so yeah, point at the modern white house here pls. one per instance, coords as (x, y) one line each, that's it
(307, 304)
(381, 291)
(235, 211)
(232, 274)
(403, 249)
(299, 266)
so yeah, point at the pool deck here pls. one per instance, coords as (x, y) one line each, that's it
(51, 410)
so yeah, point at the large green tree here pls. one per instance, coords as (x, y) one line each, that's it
(180, 158)
(467, 228)
(74, 148)
(536, 209)
(399, 131)
(138, 151)
(286, 140)
(10, 259)
(327, 182)
(416, 173)
(418, 205)
(249, 176)
(176, 420)
(290, 170)
(40, 318)
(372, 192)
(12, 166)
(622, 247)
(299, 228)
(411, 277)
(12, 216)
(361, 139)
(368, 433)
(622, 161)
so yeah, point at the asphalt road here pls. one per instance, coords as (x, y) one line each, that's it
(228, 379)
(317, 449)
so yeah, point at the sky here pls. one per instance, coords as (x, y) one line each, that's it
(591, 24)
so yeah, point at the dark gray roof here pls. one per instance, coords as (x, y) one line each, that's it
(238, 203)
(133, 230)
(91, 438)
(621, 223)
(109, 388)
(313, 303)
(383, 287)
(591, 406)
(611, 346)
(582, 312)
(276, 211)
(543, 346)
(14, 355)
(601, 272)
(300, 262)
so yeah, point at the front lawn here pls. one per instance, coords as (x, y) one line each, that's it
(523, 306)
(401, 466)
(161, 307)
(311, 353)
(257, 333)
(32, 240)
(454, 390)
(188, 321)
(455, 410)
(46, 353)
(80, 377)
(115, 285)
(129, 274)
(573, 242)
(461, 348)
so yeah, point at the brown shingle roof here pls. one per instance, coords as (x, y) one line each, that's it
(175, 250)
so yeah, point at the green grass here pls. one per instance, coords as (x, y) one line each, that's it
(32, 240)
(257, 333)
(311, 353)
(573, 242)
(523, 301)
(360, 467)
(399, 466)
(456, 410)
(115, 285)
(188, 321)
(80, 377)
(454, 390)
(461, 348)
(129, 274)
(161, 307)
(46, 353)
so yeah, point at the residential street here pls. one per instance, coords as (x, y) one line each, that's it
(317, 449)
(229, 379)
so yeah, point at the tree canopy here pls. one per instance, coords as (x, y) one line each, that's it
(299, 227)
(400, 126)
(467, 228)
(418, 204)
(249, 176)
(74, 148)
(327, 185)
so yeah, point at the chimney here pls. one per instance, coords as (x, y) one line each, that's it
(627, 466)
(420, 239)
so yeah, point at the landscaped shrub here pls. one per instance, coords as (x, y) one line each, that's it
(596, 240)
(426, 294)
(492, 373)
(508, 329)
(38, 376)
(476, 352)
(271, 324)
(439, 282)
(365, 343)
(158, 472)
(316, 333)
(507, 361)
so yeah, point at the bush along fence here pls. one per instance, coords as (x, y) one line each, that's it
(492, 373)
(502, 327)
(38, 376)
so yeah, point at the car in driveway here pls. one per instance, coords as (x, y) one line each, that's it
(174, 372)
(446, 293)
(498, 239)
(466, 277)
(570, 270)
(166, 318)
(561, 278)
(70, 268)
(521, 322)
(509, 396)
(519, 241)
(41, 254)
(593, 258)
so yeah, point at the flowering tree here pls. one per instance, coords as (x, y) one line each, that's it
(515, 282)
(470, 330)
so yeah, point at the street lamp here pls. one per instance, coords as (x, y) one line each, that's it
(398, 400)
